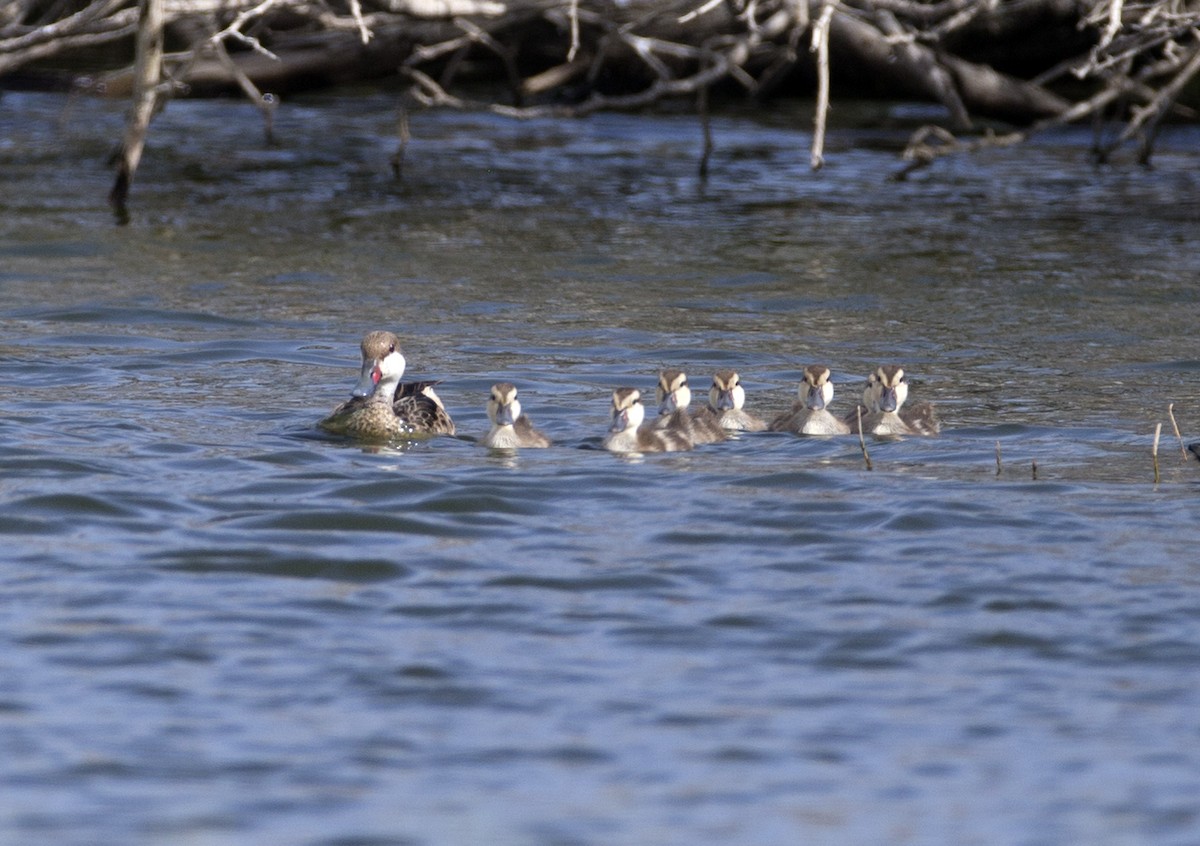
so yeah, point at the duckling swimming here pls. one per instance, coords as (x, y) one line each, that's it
(380, 407)
(510, 428)
(627, 434)
(674, 397)
(886, 391)
(726, 399)
(809, 415)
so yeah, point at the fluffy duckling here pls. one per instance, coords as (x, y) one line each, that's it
(886, 391)
(810, 415)
(627, 434)
(726, 401)
(510, 428)
(674, 397)
(380, 407)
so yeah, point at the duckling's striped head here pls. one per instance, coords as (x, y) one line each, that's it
(673, 392)
(627, 409)
(503, 407)
(816, 391)
(887, 388)
(726, 391)
(382, 363)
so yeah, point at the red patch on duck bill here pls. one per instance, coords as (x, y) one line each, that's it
(376, 375)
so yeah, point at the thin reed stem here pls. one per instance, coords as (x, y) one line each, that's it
(1175, 426)
(1154, 451)
(862, 441)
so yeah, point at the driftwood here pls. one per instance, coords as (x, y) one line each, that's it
(528, 58)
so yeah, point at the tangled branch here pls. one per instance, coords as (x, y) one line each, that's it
(1129, 60)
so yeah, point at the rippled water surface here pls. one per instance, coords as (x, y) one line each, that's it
(220, 626)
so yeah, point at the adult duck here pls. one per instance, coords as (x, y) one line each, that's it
(381, 407)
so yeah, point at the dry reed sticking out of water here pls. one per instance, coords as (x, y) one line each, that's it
(1154, 451)
(1175, 426)
(998, 465)
(862, 441)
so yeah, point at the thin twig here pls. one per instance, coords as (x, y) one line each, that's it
(363, 32)
(266, 103)
(402, 136)
(1175, 426)
(1154, 451)
(573, 13)
(820, 46)
(1114, 23)
(862, 441)
(701, 10)
(998, 465)
(234, 30)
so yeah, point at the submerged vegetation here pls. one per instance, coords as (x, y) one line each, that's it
(1033, 64)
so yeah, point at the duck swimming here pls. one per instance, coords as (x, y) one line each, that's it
(674, 397)
(510, 428)
(627, 434)
(882, 413)
(726, 399)
(380, 406)
(809, 415)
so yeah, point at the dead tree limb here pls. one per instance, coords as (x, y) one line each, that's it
(820, 46)
(147, 74)
(1128, 61)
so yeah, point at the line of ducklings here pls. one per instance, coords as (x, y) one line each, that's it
(381, 407)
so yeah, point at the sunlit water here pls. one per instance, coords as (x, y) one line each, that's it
(220, 626)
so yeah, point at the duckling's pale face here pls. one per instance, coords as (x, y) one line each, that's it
(887, 388)
(627, 409)
(673, 391)
(726, 391)
(816, 391)
(503, 407)
(383, 363)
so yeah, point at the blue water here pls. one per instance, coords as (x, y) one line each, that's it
(220, 626)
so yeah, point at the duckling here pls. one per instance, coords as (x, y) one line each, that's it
(380, 407)
(886, 391)
(627, 434)
(726, 399)
(510, 428)
(674, 397)
(809, 415)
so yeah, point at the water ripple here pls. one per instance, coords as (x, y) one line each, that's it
(267, 561)
(225, 626)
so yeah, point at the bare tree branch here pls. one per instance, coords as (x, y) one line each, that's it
(575, 57)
